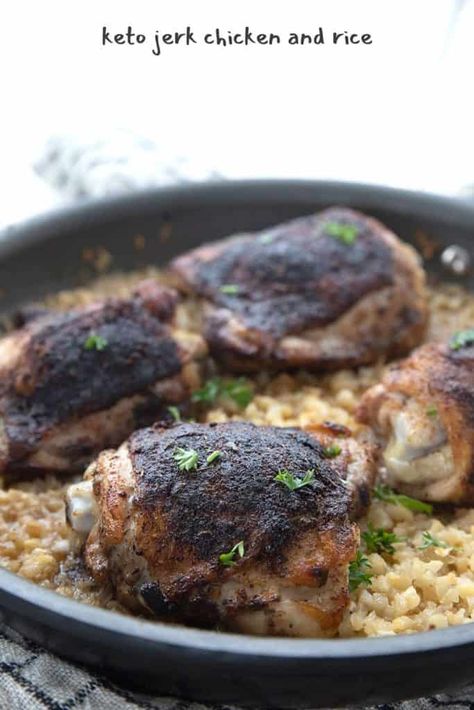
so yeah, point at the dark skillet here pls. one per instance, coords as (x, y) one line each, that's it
(46, 254)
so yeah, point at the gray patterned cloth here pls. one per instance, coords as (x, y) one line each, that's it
(30, 676)
(33, 679)
(84, 166)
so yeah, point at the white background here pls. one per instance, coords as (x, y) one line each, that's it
(398, 112)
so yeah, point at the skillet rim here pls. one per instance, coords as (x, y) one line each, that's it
(93, 212)
(57, 609)
(89, 618)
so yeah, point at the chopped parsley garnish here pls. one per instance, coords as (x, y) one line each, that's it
(212, 457)
(430, 541)
(228, 558)
(266, 239)
(187, 459)
(209, 392)
(379, 540)
(239, 391)
(175, 413)
(95, 342)
(431, 411)
(229, 289)
(346, 233)
(358, 573)
(293, 483)
(330, 452)
(461, 339)
(386, 494)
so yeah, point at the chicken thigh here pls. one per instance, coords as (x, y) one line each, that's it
(336, 289)
(354, 458)
(423, 412)
(232, 524)
(73, 383)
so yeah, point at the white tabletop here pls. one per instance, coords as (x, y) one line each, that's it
(399, 112)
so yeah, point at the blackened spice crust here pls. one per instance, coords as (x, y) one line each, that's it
(209, 509)
(59, 378)
(292, 277)
(455, 380)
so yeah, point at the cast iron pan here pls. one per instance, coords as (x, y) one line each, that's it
(47, 254)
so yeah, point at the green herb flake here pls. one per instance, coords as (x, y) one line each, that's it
(293, 483)
(212, 457)
(187, 459)
(462, 339)
(229, 289)
(95, 342)
(430, 541)
(431, 411)
(330, 452)
(266, 239)
(379, 540)
(238, 390)
(228, 558)
(358, 573)
(386, 494)
(175, 413)
(208, 393)
(346, 233)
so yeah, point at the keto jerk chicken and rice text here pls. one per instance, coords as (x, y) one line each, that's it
(273, 435)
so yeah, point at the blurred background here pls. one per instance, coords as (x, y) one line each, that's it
(80, 120)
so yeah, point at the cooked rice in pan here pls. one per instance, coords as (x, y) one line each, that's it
(412, 590)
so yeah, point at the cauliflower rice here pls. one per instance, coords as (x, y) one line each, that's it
(412, 590)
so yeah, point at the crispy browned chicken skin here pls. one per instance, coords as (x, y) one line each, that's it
(355, 461)
(331, 290)
(423, 411)
(74, 383)
(157, 532)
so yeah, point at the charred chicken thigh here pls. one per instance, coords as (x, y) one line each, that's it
(232, 524)
(336, 289)
(423, 411)
(354, 458)
(73, 383)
